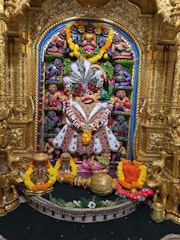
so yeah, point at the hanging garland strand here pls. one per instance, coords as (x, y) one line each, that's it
(75, 49)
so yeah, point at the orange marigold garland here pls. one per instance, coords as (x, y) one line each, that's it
(44, 186)
(131, 175)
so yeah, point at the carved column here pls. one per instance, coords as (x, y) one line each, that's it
(17, 75)
(167, 178)
(176, 86)
(13, 64)
(3, 34)
(174, 119)
(154, 122)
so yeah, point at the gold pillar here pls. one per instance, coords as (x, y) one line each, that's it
(153, 122)
(174, 118)
(3, 35)
(176, 87)
(165, 170)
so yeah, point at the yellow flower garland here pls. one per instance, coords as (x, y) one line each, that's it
(72, 165)
(86, 137)
(40, 187)
(75, 47)
(141, 178)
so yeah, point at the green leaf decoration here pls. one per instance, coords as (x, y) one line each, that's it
(99, 204)
(53, 200)
(66, 65)
(96, 51)
(94, 198)
(83, 202)
(119, 200)
(70, 205)
(127, 65)
(50, 58)
(108, 68)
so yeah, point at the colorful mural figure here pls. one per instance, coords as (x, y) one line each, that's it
(88, 84)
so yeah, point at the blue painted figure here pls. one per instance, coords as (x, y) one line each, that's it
(104, 37)
(52, 123)
(54, 71)
(121, 77)
(75, 35)
(120, 127)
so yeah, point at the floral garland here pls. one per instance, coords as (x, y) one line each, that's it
(86, 137)
(139, 195)
(44, 186)
(75, 47)
(131, 175)
(72, 165)
(95, 124)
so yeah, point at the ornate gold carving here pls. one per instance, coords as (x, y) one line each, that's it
(92, 3)
(164, 175)
(50, 12)
(155, 140)
(174, 121)
(9, 197)
(15, 7)
(2, 59)
(8, 135)
(176, 85)
(4, 133)
(144, 6)
(19, 110)
(170, 9)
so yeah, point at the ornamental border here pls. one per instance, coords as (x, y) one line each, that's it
(84, 215)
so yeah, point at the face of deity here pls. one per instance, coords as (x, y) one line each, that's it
(87, 96)
(89, 28)
(118, 69)
(117, 39)
(121, 94)
(105, 32)
(50, 140)
(74, 29)
(58, 63)
(62, 34)
(52, 88)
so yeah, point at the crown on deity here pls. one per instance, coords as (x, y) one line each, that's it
(83, 76)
